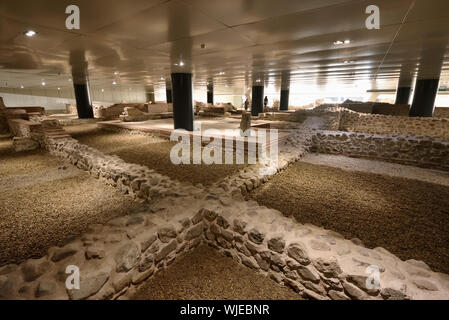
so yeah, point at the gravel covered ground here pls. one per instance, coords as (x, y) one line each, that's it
(410, 218)
(205, 274)
(151, 152)
(45, 202)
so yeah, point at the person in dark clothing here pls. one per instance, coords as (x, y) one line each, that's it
(246, 105)
(265, 102)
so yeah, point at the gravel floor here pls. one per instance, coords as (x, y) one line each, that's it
(379, 167)
(407, 217)
(152, 152)
(42, 206)
(205, 274)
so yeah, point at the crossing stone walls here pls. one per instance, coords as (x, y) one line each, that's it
(115, 258)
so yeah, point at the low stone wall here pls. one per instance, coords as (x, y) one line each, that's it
(114, 111)
(412, 150)
(115, 258)
(441, 112)
(24, 144)
(378, 108)
(22, 128)
(380, 124)
(133, 179)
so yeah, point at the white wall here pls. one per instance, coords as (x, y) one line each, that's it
(57, 100)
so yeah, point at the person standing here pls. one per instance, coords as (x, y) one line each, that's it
(246, 105)
(265, 102)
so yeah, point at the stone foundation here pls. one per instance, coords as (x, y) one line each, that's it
(441, 112)
(412, 150)
(24, 144)
(115, 258)
(380, 124)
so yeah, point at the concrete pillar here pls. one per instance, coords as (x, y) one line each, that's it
(182, 101)
(424, 98)
(210, 94)
(285, 94)
(257, 101)
(169, 96)
(83, 98)
(403, 95)
(81, 84)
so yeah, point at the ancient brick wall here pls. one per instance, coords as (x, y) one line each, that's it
(381, 124)
(418, 151)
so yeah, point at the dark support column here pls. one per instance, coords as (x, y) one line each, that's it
(83, 100)
(284, 99)
(403, 95)
(210, 94)
(169, 96)
(424, 99)
(257, 101)
(81, 84)
(150, 96)
(182, 101)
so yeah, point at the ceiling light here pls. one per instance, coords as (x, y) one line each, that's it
(21, 87)
(181, 63)
(114, 83)
(43, 84)
(258, 80)
(222, 73)
(341, 42)
(116, 73)
(59, 89)
(102, 90)
(30, 33)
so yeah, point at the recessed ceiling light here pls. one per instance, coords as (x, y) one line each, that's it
(221, 73)
(102, 90)
(43, 83)
(116, 73)
(341, 42)
(30, 33)
(59, 89)
(114, 83)
(21, 87)
(181, 63)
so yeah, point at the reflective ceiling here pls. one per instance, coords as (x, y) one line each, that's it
(232, 42)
